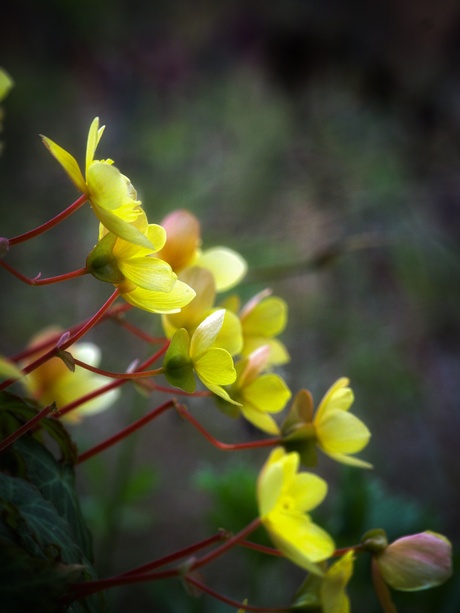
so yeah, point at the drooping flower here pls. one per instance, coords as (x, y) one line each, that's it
(182, 250)
(111, 194)
(202, 305)
(54, 382)
(197, 354)
(332, 428)
(145, 281)
(259, 394)
(327, 593)
(284, 497)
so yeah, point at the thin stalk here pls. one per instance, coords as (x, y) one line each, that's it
(177, 555)
(123, 375)
(230, 601)
(9, 440)
(231, 542)
(49, 224)
(269, 442)
(381, 589)
(112, 440)
(47, 281)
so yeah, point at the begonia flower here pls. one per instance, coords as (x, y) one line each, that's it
(182, 250)
(111, 194)
(332, 428)
(190, 317)
(262, 319)
(327, 593)
(284, 497)
(145, 281)
(54, 382)
(213, 365)
(259, 394)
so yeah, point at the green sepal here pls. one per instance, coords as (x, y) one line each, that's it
(101, 262)
(178, 367)
(374, 541)
(308, 597)
(302, 440)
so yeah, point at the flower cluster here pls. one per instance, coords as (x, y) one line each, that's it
(231, 352)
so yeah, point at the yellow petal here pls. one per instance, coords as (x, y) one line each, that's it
(68, 163)
(269, 484)
(6, 83)
(206, 333)
(160, 302)
(260, 420)
(107, 186)
(302, 541)
(216, 367)
(267, 318)
(226, 266)
(94, 136)
(307, 491)
(339, 396)
(341, 432)
(148, 273)
(268, 393)
(121, 228)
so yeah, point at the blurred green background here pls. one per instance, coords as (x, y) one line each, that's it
(297, 131)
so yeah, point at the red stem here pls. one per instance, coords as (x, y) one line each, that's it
(231, 542)
(25, 428)
(172, 557)
(230, 601)
(49, 224)
(49, 280)
(82, 590)
(151, 415)
(269, 442)
(114, 375)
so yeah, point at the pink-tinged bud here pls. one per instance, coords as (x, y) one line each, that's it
(416, 562)
(183, 239)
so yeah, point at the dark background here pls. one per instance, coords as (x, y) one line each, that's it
(296, 131)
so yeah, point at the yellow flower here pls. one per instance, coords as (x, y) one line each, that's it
(144, 280)
(54, 382)
(338, 432)
(111, 194)
(6, 83)
(258, 393)
(213, 365)
(182, 250)
(284, 497)
(327, 593)
(263, 318)
(190, 317)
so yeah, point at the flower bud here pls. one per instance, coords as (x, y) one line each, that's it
(416, 562)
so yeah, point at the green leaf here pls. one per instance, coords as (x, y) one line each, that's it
(56, 482)
(15, 411)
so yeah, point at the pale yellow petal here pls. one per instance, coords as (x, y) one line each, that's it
(160, 302)
(215, 366)
(94, 136)
(307, 491)
(269, 393)
(260, 420)
(278, 352)
(68, 163)
(226, 266)
(206, 333)
(267, 318)
(121, 228)
(341, 432)
(339, 396)
(269, 486)
(148, 273)
(106, 185)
